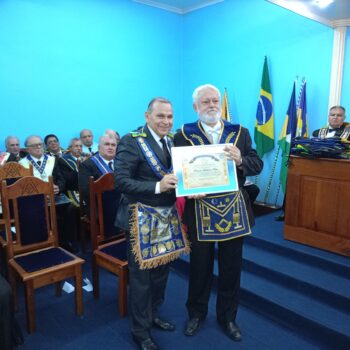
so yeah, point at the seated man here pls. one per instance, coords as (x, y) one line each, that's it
(44, 166)
(87, 138)
(101, 163)
(12, 145)
(114, 134)
(336, 125)
(53, 147)
(69, 168)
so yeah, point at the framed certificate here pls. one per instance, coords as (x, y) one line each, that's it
(203, 169)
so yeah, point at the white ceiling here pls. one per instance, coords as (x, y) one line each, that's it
(179, 6)
(336, 14)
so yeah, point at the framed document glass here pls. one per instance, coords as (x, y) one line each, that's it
(203, 169)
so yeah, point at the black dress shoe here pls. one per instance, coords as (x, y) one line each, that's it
(163, 324)
(192, 326)
(232, 330)
(146, 344)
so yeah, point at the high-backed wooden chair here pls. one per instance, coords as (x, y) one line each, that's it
(84, 222)
(108, 244)
(35, 257)
(10, 172)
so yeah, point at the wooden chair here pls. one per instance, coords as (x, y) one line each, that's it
(84, 222)
(10, 172)
(35, 257)
(109, 245)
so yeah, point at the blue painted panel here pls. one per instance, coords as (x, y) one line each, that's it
(70, 64)
(225, 45)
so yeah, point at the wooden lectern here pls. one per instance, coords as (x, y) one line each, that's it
(318, 203)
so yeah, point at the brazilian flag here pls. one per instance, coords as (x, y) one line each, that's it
(264, 135)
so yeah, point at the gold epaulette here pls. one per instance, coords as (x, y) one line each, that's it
(138, 133)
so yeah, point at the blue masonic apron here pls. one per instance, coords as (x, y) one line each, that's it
(220, 216)
(157, 236)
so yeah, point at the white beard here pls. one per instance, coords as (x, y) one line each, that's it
(210, 119)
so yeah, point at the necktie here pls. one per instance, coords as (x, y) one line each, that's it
(39, 162)
(214, 134)
(110, 165)
(166, 152)
(90, 149)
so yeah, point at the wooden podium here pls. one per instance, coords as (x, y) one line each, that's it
(318, 203)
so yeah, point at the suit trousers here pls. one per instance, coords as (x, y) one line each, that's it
(146, 294)
(201, 278)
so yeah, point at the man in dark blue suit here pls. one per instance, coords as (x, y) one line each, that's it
(101, 163)
(144, 176)
(228, 216)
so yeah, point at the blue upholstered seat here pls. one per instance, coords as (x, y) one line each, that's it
(43, 259)
(117, 250)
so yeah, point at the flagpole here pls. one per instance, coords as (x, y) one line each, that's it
(271, 175)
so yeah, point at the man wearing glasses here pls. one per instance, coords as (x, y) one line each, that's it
(45, 165)
(336, 125)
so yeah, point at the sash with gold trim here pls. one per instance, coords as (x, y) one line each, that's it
(157, 236)
(222, 216)
(73, 196)
(153, 161)
(101, 164)
(195, 134)
(345, 134)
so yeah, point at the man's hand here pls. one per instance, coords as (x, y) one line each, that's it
(168, 182)
(56, 189)
(233, 153)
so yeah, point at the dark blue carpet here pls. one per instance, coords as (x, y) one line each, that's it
(293, 297)
(101, 327)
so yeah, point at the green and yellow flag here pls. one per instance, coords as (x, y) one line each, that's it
(287, 135)
(264, 135)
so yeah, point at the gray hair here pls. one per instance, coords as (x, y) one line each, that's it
(197, 91)
(74, 139)
(31, 136)
(340, 107)
(105, 136)
(10, 137)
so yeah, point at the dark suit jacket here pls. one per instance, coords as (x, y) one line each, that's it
(135, 178)
(86, 169)
(69, 174)
(251, 165)
(58, 179)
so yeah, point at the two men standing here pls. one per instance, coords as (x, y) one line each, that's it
(144, 176)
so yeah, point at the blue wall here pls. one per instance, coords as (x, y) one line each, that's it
(345, 100)
(226, 44)
(70, 64)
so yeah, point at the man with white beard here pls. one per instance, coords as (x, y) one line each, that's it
(222, 217)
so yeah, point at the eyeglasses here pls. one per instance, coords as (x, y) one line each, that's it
(35, 145)
(336, 115)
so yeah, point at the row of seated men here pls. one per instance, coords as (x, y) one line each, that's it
(70, 170)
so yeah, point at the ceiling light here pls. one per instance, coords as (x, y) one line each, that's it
(322, 3)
